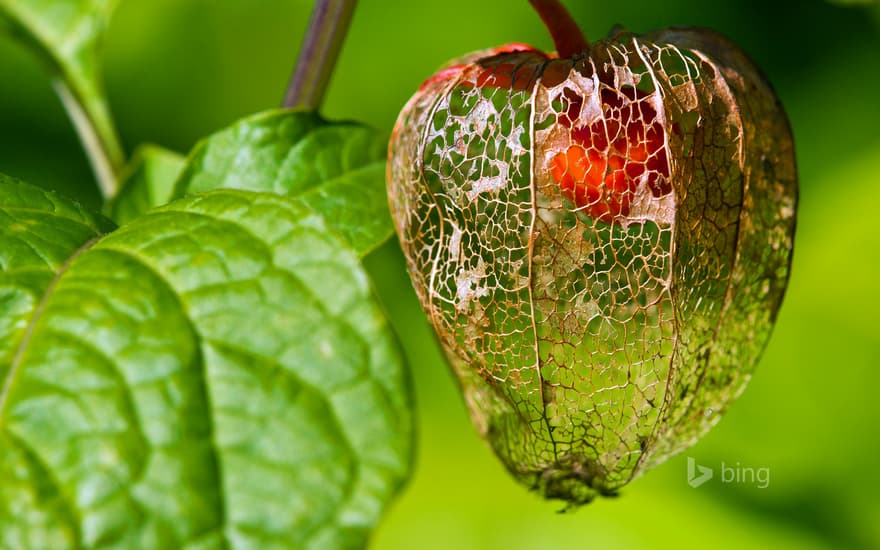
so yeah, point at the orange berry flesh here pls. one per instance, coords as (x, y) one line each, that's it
(609, 158)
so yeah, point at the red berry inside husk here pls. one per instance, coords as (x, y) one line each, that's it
(601, 240)
(600, 171)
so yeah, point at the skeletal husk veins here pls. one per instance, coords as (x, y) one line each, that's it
(601, 244)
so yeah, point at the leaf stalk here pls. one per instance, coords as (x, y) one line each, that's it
(96, 131)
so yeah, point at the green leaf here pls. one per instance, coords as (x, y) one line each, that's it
(67, 34)
(148, 181)
(215, 373)
(39, 232)
(337, 168)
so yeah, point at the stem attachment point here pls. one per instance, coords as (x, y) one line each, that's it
(567, 35)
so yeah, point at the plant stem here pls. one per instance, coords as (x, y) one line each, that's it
(92, 122)
(318, 53)
(567, 36)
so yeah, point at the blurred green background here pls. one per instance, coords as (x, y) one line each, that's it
(179, 69)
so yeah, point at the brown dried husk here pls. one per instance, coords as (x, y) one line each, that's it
(589, 351)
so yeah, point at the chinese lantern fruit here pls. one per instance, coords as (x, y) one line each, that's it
(601, 239)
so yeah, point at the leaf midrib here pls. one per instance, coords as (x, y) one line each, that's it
(18, 358)
(79, 221)
(338, 178)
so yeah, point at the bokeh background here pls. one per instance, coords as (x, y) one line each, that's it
(177, 70)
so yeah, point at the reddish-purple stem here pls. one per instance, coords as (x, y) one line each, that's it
(567, 36)
(318, 54)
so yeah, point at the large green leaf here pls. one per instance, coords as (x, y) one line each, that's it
(67, 35)
(337, 168)
(214, 374)
(147, 182)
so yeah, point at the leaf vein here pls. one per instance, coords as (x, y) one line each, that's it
(17, 360)
(203, 375)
